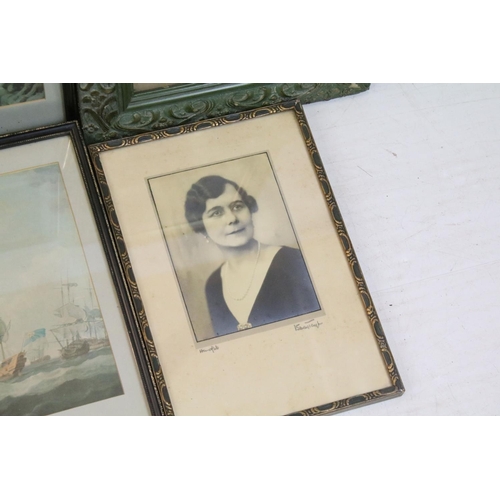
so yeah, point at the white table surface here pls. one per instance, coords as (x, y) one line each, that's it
(415, 169)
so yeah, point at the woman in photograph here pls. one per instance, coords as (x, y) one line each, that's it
(257, 284)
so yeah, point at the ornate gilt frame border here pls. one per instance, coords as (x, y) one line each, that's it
(113, 110)
(147, 355)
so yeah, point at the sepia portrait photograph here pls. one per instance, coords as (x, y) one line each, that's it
(233, 247)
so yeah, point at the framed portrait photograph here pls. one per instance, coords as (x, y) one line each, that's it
(64, 345)
(245, 289)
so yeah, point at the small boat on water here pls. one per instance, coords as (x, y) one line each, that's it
(41, 360)
(11, 366)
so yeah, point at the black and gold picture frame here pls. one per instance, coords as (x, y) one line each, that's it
(235, 263)
(64, 344)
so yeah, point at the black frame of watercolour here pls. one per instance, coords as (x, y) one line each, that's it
(72, 131)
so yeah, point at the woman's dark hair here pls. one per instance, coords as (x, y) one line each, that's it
(211, 186)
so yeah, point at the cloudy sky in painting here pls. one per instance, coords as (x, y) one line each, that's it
(39, 250)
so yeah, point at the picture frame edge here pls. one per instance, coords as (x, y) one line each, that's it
(397, 388)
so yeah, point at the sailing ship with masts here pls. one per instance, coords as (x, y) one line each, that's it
(82, 328)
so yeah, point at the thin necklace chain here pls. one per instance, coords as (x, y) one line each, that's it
(251, 279)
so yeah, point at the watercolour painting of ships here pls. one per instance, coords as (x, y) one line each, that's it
(55, 354)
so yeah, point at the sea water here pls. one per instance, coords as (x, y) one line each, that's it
(60, 384)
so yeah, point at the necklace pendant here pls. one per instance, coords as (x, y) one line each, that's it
(244, 326)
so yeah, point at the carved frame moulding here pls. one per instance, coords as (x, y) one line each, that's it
(115, 110)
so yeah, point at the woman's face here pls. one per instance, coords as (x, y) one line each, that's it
(227, 220)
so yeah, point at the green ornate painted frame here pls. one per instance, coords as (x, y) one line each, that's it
(114, 110)
(146, 353)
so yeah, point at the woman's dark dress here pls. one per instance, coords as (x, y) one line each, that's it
(286, 292)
